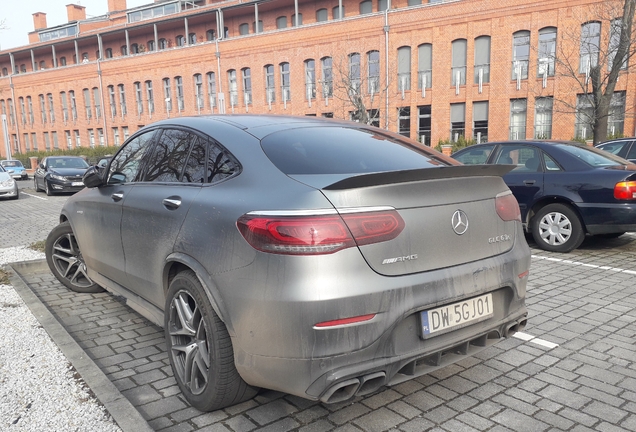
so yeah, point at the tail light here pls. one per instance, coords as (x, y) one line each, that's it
(625, 190)
(507, 207)
(318, 234)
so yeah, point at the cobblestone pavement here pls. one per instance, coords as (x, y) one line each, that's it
(573, 370)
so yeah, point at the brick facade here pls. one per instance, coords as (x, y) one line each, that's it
(439, 24)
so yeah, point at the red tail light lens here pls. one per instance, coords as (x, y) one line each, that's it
(507, 207)
(625, 190)
(318, 234)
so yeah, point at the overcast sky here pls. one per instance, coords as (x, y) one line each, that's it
(18, 19)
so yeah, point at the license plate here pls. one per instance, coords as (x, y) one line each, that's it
(77, 184)
(456, 314)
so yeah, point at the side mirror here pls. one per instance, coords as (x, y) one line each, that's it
(93, 177)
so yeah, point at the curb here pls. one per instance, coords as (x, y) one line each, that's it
(121, 410)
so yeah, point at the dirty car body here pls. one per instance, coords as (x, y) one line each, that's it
(339, 257)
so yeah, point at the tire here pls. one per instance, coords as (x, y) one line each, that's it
(206, 375)
(17, 195)
(557, 228)
(65, 260)
(47, 188)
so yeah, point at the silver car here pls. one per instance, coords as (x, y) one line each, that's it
(320, 258)
(8, 186)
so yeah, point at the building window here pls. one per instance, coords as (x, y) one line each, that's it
(122, 99)
(247, 85)
(124, 50)
(150, 97)
(373, 72)
(178, 82)
(34, 140)
(480, 121)
(47, 141)
(424, 124)
(211, 89)
(167, 94)
(284, 82)
(482, 60)
(139, 98)
(179, 40)
(354, 73)
(100, 135)
(298, 18)
(56, 144)
(97, 102)
(281, 22)
(260, 26)
(134, 48)
(111, 100)
(30, 110)
(233, 87)
(151, 45)
(366, 7)
(383, 5)
(425, 66)
(163, 44)
(373, 117)
(404, 68)
(12, 112)
(543, 118)
(310, 79)
(42, 109)
(23, 109)
(616, 28)
(78, 143)
(125, 131)
(210, 35)
(322, 15)
(590, 46)
(51, 107)
(270, 88)
(91, 138)
(520, 54)
(327, 77)
(338, 12)
(43, 64)
(547, 51)
(518, 109)
(404, 121)
(69, 141)
(64, 101)
(25, 137)
(71, 95)
(62, 61)
(109, 53)
(616, 118)
(116, 136)
(226, 32)
(198, 92)
(458, 121)
(192, 38)
(244, 29)
(458, 70)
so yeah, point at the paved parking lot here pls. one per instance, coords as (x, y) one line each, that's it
(573, 369)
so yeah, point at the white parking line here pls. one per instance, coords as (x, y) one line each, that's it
(34, 196)
(619, 270)
(529, 338)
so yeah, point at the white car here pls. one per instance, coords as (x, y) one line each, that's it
(8, 186)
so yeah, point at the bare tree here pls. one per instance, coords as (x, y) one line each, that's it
(590, 58)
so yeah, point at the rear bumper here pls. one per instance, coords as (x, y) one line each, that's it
(608, 218)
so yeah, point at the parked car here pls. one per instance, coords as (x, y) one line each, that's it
(8, 186)
(309, 256)
(15, 168)
(60, 174)
(623, 147)
(565, 189)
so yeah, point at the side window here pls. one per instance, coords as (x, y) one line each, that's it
(526, 158)
(169, 157)
(550, 164)
(221, 164)
(475, 156)
(632, 152)
(125, 165)
(195, 168)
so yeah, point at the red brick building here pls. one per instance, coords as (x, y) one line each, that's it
(433, 70)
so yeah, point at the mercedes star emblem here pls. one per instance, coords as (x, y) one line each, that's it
(459, 221)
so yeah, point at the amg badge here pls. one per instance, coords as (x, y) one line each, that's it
(400, 259)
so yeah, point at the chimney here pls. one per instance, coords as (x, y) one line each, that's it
(117, 5)
(39, 21)
(75, 12)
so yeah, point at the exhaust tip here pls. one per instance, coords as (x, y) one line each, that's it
(370, 383)
(341, 391)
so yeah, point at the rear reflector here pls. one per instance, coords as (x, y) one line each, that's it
(625, 190)
(507, 207)
(345, 321)
(318, 234)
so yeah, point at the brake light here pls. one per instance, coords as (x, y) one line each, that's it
(318, 234)
(345, 321)
(625, 190)
(507, 207)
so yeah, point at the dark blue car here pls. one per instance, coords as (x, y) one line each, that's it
(565, 189)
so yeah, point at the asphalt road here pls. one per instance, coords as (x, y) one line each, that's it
(573, 368)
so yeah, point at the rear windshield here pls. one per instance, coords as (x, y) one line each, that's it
(593, 156)
(341, 150)
(11, 163)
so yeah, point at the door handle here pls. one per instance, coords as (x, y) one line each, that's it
(171, 203)
(529, 182)
(117, 196)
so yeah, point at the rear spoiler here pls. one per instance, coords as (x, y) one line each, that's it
(392, 177)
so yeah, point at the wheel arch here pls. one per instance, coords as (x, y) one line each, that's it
(178, 262)
(552, 200)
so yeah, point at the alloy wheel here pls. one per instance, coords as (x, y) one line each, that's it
(68, 261)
